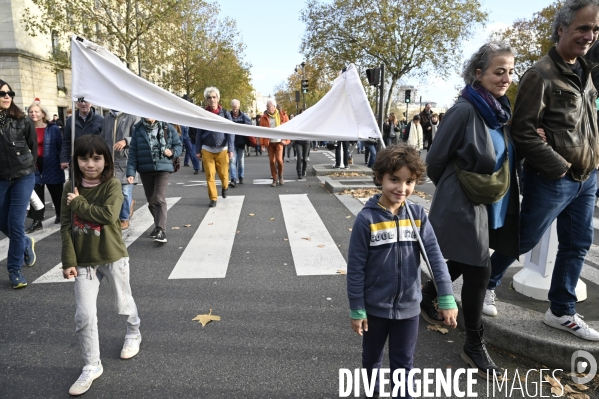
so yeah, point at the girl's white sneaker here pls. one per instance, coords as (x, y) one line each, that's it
(84, 382)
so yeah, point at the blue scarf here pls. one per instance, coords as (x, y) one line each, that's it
(496, 112)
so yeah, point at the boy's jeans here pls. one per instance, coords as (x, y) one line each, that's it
(87, 285)
(14, 198)
(572, 203)
(127, 197)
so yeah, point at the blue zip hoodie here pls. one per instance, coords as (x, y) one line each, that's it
(383, 268)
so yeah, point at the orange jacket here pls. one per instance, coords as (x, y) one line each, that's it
(265, 122)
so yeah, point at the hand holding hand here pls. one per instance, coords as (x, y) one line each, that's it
(359, 325)
(69, 272)
(130, 179)
(450, 317)
(72, 196)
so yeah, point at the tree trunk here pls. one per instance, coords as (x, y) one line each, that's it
(389, 95)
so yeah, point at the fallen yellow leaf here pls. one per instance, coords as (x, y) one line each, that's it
(307, 238)
(210, 224)
(186, 225)
(252, 214)
(568, 389)
(434, 327)
(554, 382)
(347, 217)
(349, 229)
(341, 271)
(556, 391)
(578, 395)
(272, 218)
(580, 387)
(320, 245)
(206, 318)
(175, 228)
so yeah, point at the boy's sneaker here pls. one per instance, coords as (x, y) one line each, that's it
(131, 346)
(301, 178)
(160, 236)
(154, 232)
(30, 252)
(571, 323)
(84, 382)
(17, 280)
(489, 307)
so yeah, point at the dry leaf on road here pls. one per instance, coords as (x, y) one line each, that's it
(285, 239)
(320, 245)
(206, 318)
(210, 224)
(349, 229)
(252, 214)
(554, 382)
(186, 225)
(557, 392)
(307, 238)
(347, 217)
(434, 327)
(272, 218)
(341, 271)
(580, 387)
(578, 395)
(175, 228)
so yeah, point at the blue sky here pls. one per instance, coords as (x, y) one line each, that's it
(272, 32)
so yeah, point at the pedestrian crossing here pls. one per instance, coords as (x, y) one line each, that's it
(208, 253)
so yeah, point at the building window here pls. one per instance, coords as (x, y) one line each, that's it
(60, 81)
(55, 42)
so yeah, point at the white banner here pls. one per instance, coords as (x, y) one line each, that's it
(102, 79)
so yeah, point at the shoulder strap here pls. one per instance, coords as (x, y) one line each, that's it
(421, 244)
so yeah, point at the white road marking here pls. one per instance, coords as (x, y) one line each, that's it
(143, 221)
(209, 250)
(39, 235)
(313, 249)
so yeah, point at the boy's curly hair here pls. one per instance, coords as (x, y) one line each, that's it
(395, 157)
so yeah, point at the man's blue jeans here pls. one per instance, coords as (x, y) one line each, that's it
(572, 203)
(240, 162)
(14, 197)
(233, 167)
(190, 153)
(372, 149)
(127, 198)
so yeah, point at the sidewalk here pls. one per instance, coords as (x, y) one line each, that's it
(518, 328)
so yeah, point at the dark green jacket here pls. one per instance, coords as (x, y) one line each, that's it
(140, 154)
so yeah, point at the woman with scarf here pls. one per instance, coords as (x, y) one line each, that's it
(273, 118)
(152, 149)
(472, 139)
(18, 154)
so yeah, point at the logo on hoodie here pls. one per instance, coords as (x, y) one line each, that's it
(391, 232)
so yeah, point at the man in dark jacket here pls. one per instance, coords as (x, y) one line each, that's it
(117, 131)
(427, 129)
(557, 94)
(215, 149)
(237, 166)
(87, 121)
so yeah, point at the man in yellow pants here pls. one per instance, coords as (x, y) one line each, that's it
(214, 149)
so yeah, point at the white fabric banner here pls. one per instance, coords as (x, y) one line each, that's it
(102, 79)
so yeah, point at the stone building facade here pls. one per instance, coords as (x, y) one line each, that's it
(25, 64)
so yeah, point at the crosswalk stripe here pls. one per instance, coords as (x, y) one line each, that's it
(37, 236)
(142, 222)
(313, 249)
(209, 250)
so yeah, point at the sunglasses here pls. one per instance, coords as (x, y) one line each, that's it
(11, 94)
(81, 101)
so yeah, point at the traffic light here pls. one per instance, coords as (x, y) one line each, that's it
(408, 95)
(374, 76)
(305, 86)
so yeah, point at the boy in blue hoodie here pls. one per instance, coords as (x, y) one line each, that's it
(383, 268)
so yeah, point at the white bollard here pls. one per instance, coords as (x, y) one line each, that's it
(534, 280)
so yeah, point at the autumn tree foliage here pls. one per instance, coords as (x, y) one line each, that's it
(180, 44)
(409, 37)
(207, 51)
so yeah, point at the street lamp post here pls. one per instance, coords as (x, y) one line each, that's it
(297, 67)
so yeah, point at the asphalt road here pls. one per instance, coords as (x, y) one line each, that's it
(280, 335)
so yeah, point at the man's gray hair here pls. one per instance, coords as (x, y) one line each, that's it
(565, 15)
(210, 90)
(271, 101)
(482, 60)
(235, 102)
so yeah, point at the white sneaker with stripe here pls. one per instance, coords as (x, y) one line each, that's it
(573, 324)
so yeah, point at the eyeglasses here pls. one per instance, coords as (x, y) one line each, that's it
(209, 97)
(81, 101)
(11, 94)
